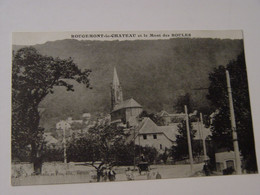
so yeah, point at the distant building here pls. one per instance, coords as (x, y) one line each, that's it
(125, 112)
(64, 124)
(74, 128)
(171, 119)
(86, 116)
(147, 133)
(225, 160)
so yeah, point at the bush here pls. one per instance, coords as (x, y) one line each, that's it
(228, 171)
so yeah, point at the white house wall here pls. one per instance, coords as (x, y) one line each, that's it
(151, 142)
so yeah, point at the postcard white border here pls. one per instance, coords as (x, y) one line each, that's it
(116, 15)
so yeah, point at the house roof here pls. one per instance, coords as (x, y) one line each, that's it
(50, 139)
(147, 126)
(170, 131)
(163, 113)
(130, 103)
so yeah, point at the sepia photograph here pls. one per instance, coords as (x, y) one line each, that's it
(128, 106)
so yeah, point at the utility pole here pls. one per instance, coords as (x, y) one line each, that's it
(233, 125)
(189, 139)
(203, 138)
(64, 143)
(134, 149)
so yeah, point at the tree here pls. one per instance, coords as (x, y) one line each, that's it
(221, 127)
(33, 78)
(99, 148)
(184, 100)
(155, 118)
(180, 150)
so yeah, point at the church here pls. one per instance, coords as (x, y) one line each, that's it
(143, 131)
(123, 111)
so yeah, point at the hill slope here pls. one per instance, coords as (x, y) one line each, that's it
(153, 72)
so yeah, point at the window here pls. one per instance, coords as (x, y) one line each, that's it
(161, 146)
(144, 136)
(154, 136)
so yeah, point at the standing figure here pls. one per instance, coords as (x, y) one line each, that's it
(99, 174)
(105, 174)
(111, 175)
(158, 175)
(206, 169)
(129, 174)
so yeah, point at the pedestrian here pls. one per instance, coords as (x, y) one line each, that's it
(142, 158)
(149, 175)
(111, 175)
(105, 174)
(129, 174)
(206, 169)
(99, 173)
(158, 175)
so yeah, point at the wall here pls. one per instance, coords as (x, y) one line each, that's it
(50, 168)
(150, 141)
(222, 158)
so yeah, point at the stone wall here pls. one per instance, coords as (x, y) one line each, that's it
(50, 168)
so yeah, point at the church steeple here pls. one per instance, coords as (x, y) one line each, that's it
(116, 91)
(115, 78)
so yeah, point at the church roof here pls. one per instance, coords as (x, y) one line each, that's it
(130, 103)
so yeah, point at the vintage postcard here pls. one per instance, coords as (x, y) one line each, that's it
(128, 106)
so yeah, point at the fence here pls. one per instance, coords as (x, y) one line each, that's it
(50, 168)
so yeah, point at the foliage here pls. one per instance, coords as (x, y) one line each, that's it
(33, 78)
(82, 150)
(53, 154)
(86, 150)
(150, 153)
(100, 144)
(180, 150)
(221, 126)
(163, 157)
(126, 153)
(155, 118)
(184, 100)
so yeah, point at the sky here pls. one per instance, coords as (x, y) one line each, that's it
(32, 38)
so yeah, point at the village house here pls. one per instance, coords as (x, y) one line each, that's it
(74, 128)
(149, 134)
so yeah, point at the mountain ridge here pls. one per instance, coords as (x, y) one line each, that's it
(153, 72)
